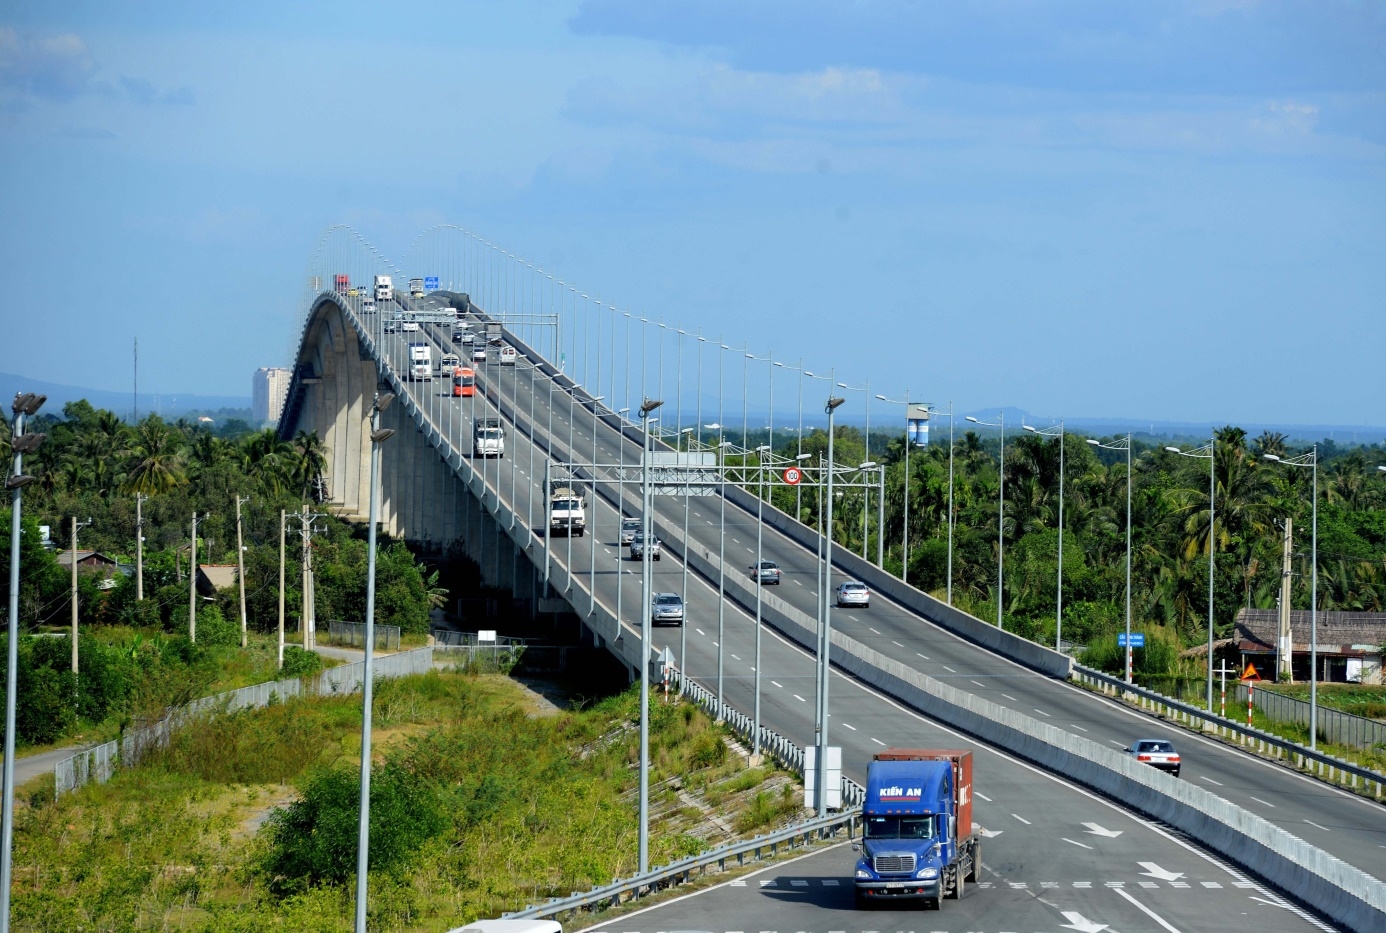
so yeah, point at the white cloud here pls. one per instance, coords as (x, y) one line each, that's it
(55, 67)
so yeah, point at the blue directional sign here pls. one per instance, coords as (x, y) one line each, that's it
(1137, 639)
(430, 283)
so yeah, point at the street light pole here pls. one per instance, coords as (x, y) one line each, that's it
(378, 436)
(1000, 514)
(1211, 457)
(646, 562)
(1059, 599)
(1126, 447)
(760, 524)
(825, 625)
(1311, 460)
(21, 443)
(75, 525)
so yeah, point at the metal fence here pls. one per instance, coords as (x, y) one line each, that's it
(99, 763)
(354, 634)
(1334, 726)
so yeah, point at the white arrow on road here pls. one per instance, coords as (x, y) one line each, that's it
(1095, 830)
(988, 833)
(1077, 921)
(1155, 871)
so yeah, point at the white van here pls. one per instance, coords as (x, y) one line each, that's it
(408, 326)
(507, 356)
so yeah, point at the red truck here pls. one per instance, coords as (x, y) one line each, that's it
(341, 283)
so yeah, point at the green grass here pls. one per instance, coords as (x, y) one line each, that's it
(208, 835)
(1360, 700)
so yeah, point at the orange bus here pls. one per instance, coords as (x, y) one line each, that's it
(463, 382)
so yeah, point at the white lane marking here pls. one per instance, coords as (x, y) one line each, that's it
(715, 645)
(1210, 780)
(1259, 800)
(700, 631)
(797, 583)
(781, 686)
(924, 656)
(1317, 826)
(1117, 744)
(979, 683)
(854, 729)
(878, 741)
(1009, 697)
(1147, 911)
(983, 796)
(1042, 712)
(799, 698)
(736, 657)
(1075, 843)
(947, 668)
(898, 645)
(1078, 727)
(1022, 819)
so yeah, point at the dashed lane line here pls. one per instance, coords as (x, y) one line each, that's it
(1078, 727)
(979, 683)
(780, 685)
(947, 668)
(1022, 819)
(878, 741)
(1042, 712)
(1259, 800)
(853, 728)
(799, 698)
(1202, 778)
(1009, 697)
(1317, 826)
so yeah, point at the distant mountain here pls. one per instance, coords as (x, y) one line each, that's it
(166, 404)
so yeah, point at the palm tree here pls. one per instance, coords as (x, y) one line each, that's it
(311, 463)
(158, 466)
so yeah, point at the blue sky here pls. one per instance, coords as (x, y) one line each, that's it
(1171, 211)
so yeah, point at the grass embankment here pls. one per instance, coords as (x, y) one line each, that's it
(1358, 699)
(479, 804)
(130, 677)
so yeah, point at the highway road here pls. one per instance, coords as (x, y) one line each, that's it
(1031, 893)
(1039, 820)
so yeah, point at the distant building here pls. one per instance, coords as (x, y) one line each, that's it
(270, 386)
(1349, 643)
(213, 577)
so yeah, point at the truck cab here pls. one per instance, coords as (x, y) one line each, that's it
(416, 288)
(384, 288)
(488, 438)
(421, 361)
(917, 840)
(566, 512)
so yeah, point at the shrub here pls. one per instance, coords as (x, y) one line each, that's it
(313, 840)
(214, 630)
(300, 663)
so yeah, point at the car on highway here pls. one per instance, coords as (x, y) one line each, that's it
(479, 353)
(367, 305)
(457, 335)
(853, 594)
(507, 356)
(353, 292)
(630, 527)
(769, 572)
(391, 327)
(637, 547)
(468, 338)
(1158, 753)
(409, 326)
(667, 609)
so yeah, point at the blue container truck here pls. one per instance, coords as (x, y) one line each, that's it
(918, 840)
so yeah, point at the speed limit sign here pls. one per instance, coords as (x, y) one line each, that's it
(792, 476)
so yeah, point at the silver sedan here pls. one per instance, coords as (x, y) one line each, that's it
(855, 594)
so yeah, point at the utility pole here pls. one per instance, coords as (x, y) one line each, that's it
(281, 588)
(75, 525)
(240, 565)
(1284, 644)
(192, 583)
(139, 547)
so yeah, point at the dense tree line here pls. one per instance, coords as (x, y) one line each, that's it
(1169, 500)
(93, 465)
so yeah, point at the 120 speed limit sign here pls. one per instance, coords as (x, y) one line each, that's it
(793, 475)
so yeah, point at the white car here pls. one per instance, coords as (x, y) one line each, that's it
(637, 548)
(409, 326)
(1158, 753)
(630, 527)
(853, 594)
(479, 353)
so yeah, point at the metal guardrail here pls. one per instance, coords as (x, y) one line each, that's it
(682, 870)
(354, 634)
(1334, 725)
(1328, 767)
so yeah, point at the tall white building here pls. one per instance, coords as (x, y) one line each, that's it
(270, 386)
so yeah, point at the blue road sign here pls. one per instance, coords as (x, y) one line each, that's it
(430, 283)
(1137, 639)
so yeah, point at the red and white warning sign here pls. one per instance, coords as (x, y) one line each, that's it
(793, 475)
